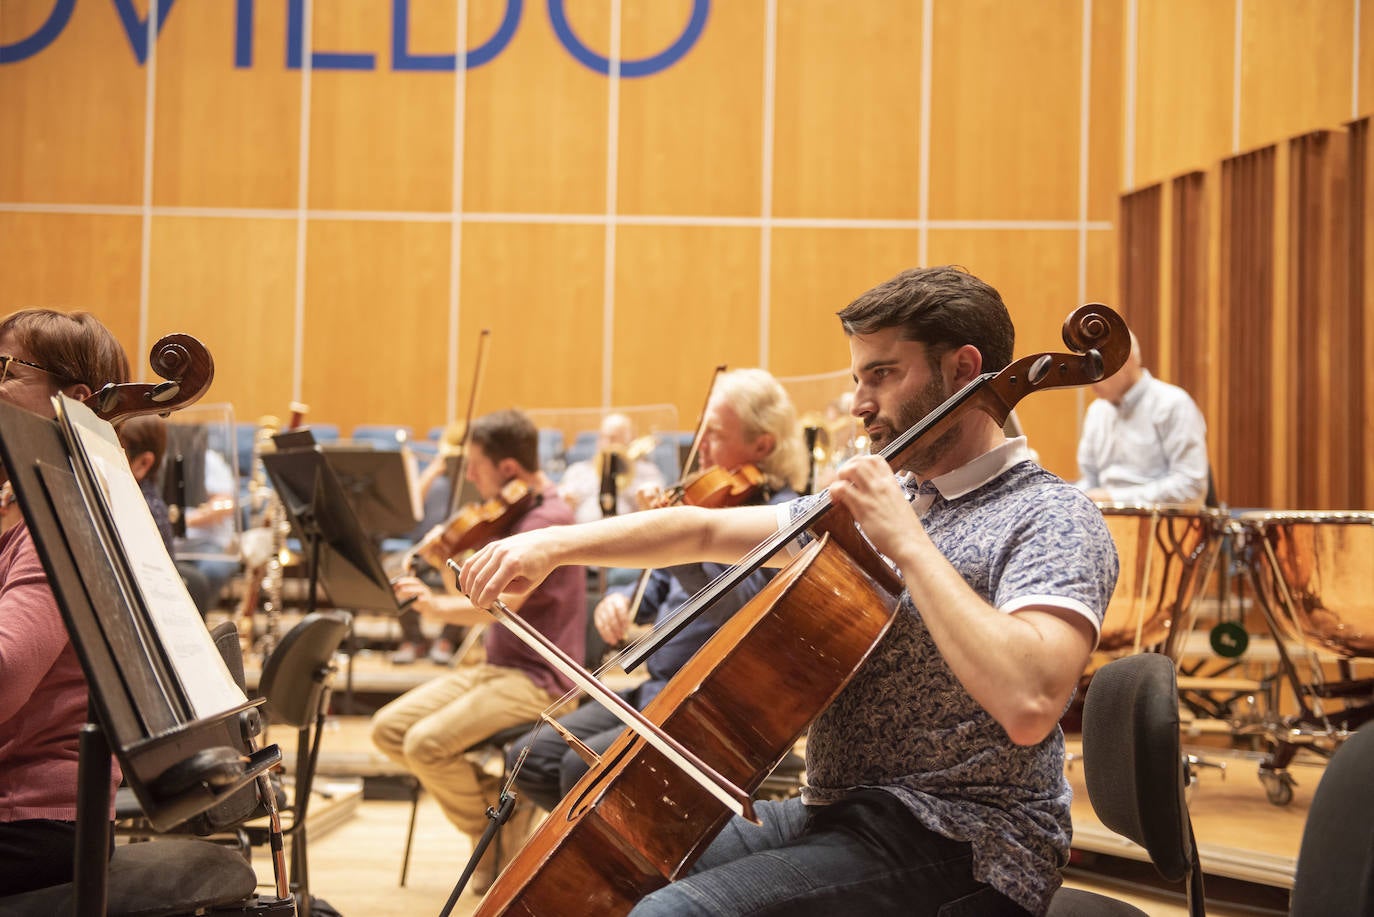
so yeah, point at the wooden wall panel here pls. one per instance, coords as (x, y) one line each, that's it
(539, 289)
(696, 309)
(535, 138)
(231, 283)
(72, 261)
(1106, 114)
(1324, 333)
(1189, 343)
(984, 112)
(376, 319)
(1361, 259)
(1295, 67)
(72, 115)
(1243, 476)
(691, 137)
(848, 110)
(816, 273)
(1035, 273)
(225, 136)
(397, 127)
(1139, 234)
(1184, 80)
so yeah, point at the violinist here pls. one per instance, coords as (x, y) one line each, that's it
(429, 728)
(749, 422)
(935, 778)
(43, 694)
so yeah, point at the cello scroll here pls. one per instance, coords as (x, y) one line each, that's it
(185, 364)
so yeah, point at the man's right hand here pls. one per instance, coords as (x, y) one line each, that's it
(612, 618)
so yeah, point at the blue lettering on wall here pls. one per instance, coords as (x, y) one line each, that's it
(25, 48)
(135, 29)
(402, 58)
(630, 68)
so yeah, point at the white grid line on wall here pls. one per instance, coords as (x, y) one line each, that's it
(302, 206)
(770, 86)
(923, 143)
(571, 219)
(612, 204)
(455, 243)
(1235, 76)
(145, 253)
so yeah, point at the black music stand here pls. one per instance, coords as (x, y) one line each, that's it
(175, 736)
(380, 486)
(342, 558)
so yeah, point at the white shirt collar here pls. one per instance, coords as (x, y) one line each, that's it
(973, 475)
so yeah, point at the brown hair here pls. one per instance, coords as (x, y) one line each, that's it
(144, 433)
(941, 307)
(508, 434)
(74, 346)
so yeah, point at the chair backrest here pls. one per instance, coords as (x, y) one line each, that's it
(1335, 873)
(1134, 767)
(295, 676)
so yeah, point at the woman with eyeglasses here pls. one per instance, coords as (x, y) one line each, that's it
(43, 695)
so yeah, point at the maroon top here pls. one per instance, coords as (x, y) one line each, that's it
(42, 692)
(557, 608)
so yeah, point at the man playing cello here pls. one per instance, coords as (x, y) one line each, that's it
(935, 779)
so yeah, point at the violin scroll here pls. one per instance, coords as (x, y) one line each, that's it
(185, 364)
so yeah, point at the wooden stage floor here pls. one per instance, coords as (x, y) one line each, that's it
(1248, 846)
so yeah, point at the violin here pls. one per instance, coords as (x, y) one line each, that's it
(715, 488)
(476, 524)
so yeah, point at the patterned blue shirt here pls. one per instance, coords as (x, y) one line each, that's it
(1021, 537)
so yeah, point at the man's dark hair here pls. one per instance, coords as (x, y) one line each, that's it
(508, 434)
(941, 307)
(144, 433)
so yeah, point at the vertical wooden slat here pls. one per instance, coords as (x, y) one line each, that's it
(1322, 451)
(1140, 231)
(1246, 305)
(1360, 296)
(1189, 342)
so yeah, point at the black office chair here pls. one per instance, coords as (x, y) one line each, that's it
(1335, 873)
(296, 682)
(1136, 774)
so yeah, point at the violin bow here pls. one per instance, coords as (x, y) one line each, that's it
(642, 584)
(455, 491)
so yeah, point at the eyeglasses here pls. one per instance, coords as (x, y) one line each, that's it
(6, 360)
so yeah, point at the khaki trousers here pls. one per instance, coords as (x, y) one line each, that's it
(428, 730)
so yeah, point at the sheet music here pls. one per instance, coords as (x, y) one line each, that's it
(204, 677)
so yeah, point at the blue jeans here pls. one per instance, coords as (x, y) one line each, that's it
(865, 855)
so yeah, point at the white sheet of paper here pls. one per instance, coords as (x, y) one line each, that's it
(198, 664)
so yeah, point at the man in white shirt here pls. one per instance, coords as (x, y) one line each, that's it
(1144, 440)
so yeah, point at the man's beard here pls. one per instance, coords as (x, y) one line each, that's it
(908, 415)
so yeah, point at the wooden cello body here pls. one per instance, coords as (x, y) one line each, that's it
(632, 824)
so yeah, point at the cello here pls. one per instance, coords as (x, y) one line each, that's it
(635, 822)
